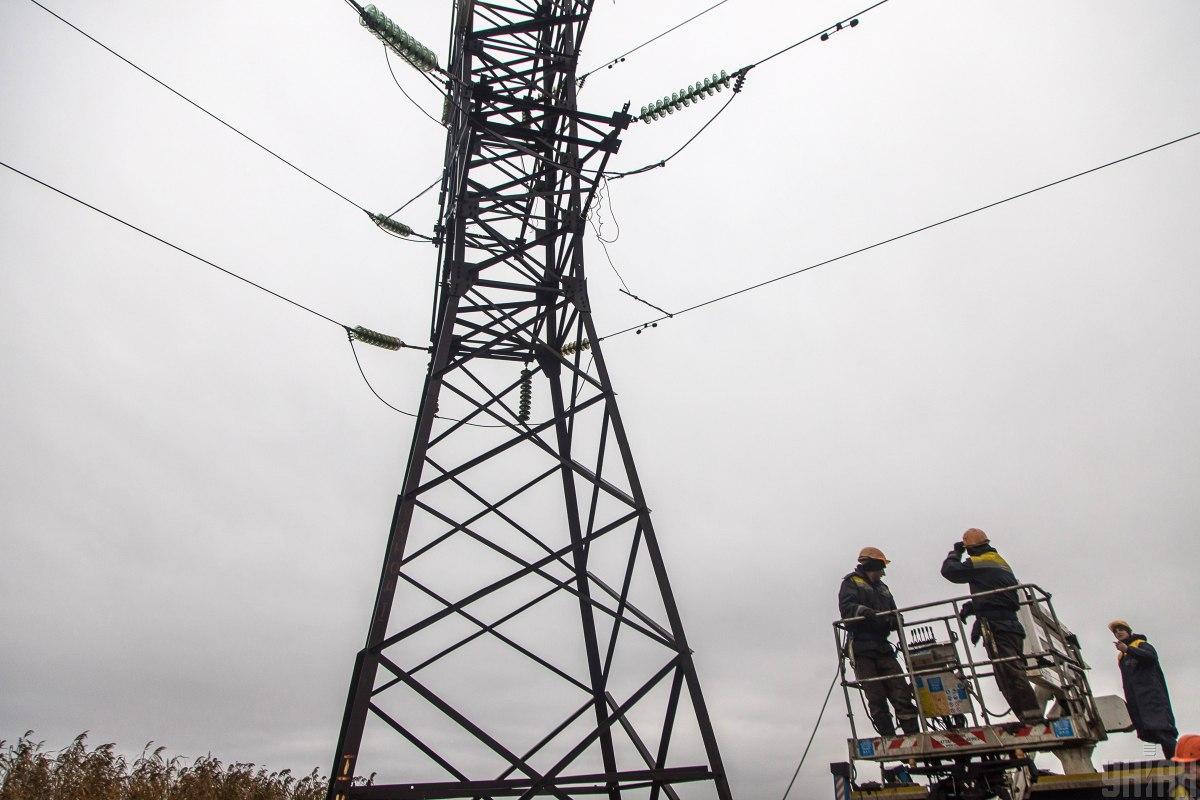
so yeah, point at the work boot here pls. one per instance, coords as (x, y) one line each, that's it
(1032, 716)
(910, 726)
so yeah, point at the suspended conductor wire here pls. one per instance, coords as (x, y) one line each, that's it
(196, 105)
(740, 75)
(813, 735)
(406, 94)
(350, 332)
(912, 232)
(823, 31)
(612, 62)
(176, 247)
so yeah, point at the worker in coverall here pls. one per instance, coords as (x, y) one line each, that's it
(1145, 688)
(996, 616)
(864, 594)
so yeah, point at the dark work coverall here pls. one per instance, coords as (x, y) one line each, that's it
(1003, 635)
(872, 655)
(1146, 694)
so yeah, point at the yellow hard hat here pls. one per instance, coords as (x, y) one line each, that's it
(1119, 623)
(872, 552)
(973, 537)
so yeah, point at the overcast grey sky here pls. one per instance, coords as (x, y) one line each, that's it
(196, 484)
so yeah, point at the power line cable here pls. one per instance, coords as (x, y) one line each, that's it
(852, 19)
(913, 232)
(740, 76)
(350, 332)
(193, 103)
(618, 59)
(813, 735)
(176, 247)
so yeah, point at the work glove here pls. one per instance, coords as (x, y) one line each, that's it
(967, 610)
(959, 548)
(868, 613)
(976, 632)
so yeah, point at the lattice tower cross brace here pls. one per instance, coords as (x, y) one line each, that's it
(522, 169)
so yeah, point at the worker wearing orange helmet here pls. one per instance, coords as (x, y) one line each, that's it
(1145, 686)
(1003, 635)
(865, 596)
(1187, 755)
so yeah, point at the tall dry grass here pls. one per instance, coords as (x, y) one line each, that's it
(29, 772)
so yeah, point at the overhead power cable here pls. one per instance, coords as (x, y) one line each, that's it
(914, 232)
(176, 247)
(708, 87)
(231, 127)
(612, 62)
(358, 333)
(196, 105)
(822, 34)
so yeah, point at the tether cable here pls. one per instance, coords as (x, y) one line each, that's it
(897, 238)
(196, 105)
(813, 735)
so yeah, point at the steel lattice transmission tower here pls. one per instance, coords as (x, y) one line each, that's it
(525, 641)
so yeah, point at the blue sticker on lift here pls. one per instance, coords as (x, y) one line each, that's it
(935, 684)
(1063, 728)
(920, 682)
(962, 691)
(866, 748)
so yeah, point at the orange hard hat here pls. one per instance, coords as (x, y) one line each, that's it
(974, 537)
(1187, 749)
(872, 552)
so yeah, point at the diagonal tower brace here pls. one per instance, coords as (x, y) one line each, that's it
(511, 315)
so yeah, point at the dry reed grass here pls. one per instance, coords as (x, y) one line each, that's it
(29, 772)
